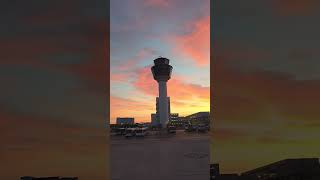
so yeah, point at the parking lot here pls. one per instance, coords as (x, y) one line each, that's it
(177, 156)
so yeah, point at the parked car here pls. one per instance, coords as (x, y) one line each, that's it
(130, 132)
(172, 129)
(141, 132)
(121, 131)
(202, 128)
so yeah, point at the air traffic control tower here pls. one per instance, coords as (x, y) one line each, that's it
(161, 73)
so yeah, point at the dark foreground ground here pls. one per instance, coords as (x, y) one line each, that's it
(182, 156)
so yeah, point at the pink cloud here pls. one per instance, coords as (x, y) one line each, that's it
(145, 81)
(197, 43)
(119, 77)
(177, 88)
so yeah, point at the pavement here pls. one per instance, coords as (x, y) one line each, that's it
(180, 156)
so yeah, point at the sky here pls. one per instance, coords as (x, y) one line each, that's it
(141, 31)
(265, 83)
(53, 75)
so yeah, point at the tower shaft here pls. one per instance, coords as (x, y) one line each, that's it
(163, 103)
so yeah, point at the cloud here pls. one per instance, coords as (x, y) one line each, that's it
(119, 78)
(185, 97)
(195, 44)
(145, 81)
(177, 88)
(157, 3)
(132, 63)
(125, 70)
(125, 107)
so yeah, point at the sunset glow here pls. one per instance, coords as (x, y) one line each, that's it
(146, 29)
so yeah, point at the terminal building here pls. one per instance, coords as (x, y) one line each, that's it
(178, 121)
(125, 120)
(288, 169)
(198, 118)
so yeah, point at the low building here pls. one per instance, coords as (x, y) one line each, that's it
(174, 117)
(199, 118)
(125, 120)
(176, 120)
(154, 120)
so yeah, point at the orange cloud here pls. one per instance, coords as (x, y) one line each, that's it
(185, 97)
(197, 43)
(145, 81)
(123, 107)
(176, 86)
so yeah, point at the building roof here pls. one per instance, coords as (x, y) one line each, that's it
(288, 166)
(199, 114)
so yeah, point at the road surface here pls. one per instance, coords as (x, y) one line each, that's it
(183, 156)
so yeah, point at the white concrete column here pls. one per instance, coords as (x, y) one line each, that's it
(163, 103)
